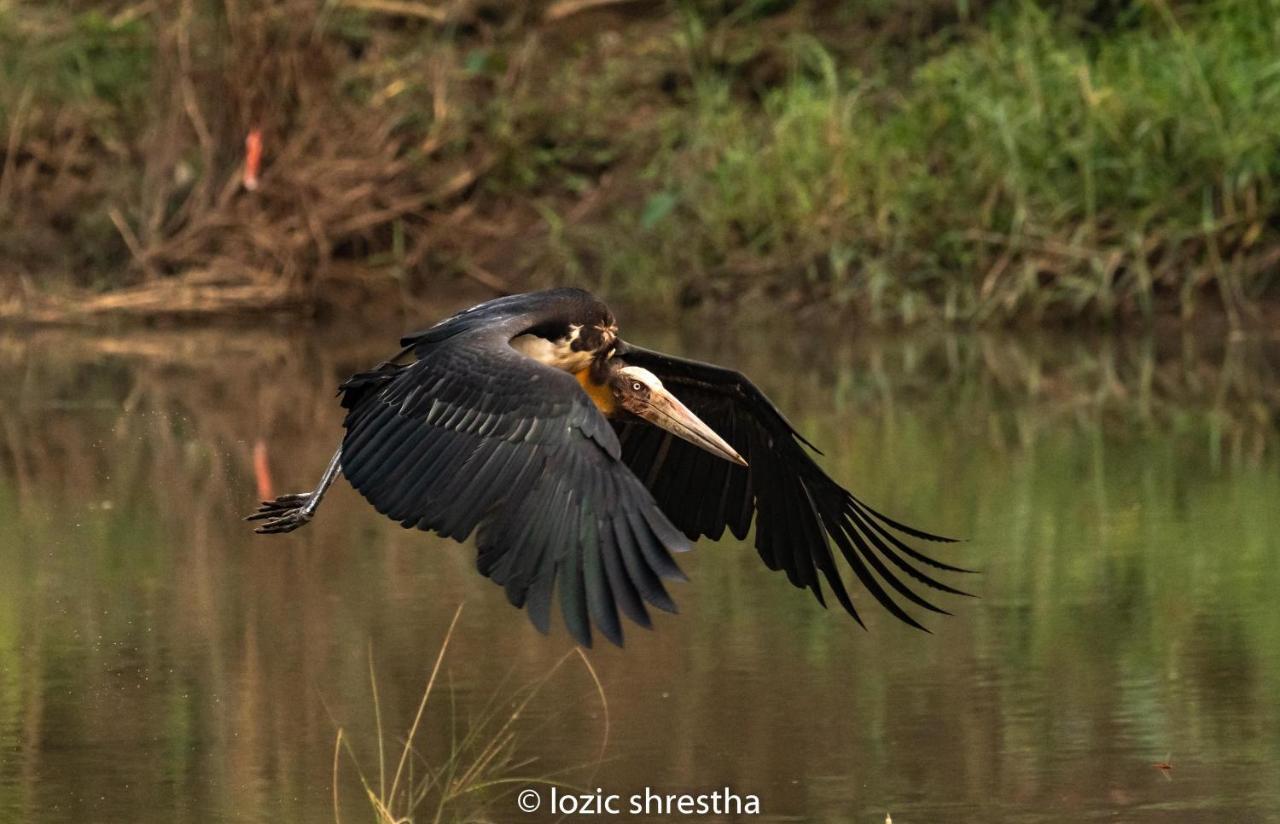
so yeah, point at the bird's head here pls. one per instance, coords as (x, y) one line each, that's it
(639, 392)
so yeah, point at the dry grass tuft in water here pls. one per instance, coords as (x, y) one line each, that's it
(483, 764)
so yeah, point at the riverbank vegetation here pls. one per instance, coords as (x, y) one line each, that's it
(964, 160)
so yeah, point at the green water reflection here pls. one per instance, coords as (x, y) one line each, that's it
(158, 662)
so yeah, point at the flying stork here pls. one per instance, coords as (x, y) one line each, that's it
(582, 463)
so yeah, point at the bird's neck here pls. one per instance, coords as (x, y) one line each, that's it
(598, 391)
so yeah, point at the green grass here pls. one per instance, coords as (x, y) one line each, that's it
(1034, 169)
(73, 89)
(83, 58)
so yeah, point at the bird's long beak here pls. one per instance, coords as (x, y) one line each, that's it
(665, 411)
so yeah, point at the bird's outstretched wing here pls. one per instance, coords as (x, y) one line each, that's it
(476, 436)
(799, 510)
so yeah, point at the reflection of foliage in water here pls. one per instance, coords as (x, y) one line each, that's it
(1117, 493)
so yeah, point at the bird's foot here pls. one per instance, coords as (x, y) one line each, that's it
(284, 514)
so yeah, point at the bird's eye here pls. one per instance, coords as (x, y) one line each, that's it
(636, 387)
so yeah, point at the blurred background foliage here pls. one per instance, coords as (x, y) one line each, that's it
(972, 160)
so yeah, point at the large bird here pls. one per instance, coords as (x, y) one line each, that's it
(583, 462)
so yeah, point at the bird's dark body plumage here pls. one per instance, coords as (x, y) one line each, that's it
(484, 432)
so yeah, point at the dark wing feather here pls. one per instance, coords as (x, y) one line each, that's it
(474, 436)
(799, 511)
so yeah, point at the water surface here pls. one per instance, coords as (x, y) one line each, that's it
(158, 662)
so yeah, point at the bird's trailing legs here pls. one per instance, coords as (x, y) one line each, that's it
(288, 512)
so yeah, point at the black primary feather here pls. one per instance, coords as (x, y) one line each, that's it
(799, 510)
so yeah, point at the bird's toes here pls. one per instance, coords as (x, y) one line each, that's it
(280, 506)
(287, 522)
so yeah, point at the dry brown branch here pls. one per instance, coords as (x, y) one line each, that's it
(198, 294)
(486, 278)
(16, 123)
(566, 8)
(131, 240)
(190, 99)
(399, 8)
